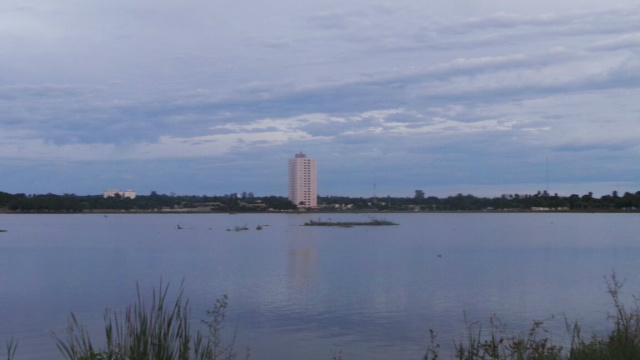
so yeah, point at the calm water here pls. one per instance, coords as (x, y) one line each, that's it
(305, 292)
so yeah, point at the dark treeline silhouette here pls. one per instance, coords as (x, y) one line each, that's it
(541, 201)
(71, 203)
(248, 202)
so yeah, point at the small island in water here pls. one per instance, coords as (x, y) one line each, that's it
(373, 222)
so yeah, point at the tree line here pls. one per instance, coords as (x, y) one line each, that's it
(542, 201)
(248, 202)
(71, 203)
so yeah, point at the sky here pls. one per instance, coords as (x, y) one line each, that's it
(482, 97)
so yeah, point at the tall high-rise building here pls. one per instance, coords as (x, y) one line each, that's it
(303, 181)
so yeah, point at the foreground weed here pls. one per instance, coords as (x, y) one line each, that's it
(498, 344)
(623, 343)
(156, 331)
(215, 349)
(12, 345)
(433, 350)
(337, 355)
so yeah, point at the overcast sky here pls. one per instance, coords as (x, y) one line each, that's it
(212, 97)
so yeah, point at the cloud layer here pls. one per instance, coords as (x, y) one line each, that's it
(214, 97)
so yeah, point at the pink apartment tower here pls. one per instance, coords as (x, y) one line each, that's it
(303, 181)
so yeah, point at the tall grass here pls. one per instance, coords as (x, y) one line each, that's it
(496, 343)
(12, 345)
(157, 331)
(624, 340)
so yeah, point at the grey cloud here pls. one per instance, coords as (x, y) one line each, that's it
(501, 21)
(616, 146)
(493, 30)
(567, 23)
(191, 113)
(356, 18)
(10, 92)
(390, 88)
(70, 115)
(330, 21)
(620, 19)
(630, 41)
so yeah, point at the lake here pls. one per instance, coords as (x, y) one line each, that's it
(299, 292)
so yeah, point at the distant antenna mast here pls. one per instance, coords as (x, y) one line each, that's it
(547, 175)
(375, 175)
(375, 196)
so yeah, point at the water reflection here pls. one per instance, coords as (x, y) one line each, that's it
(300, 292)
(302, 267)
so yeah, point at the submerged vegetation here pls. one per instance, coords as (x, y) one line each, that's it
(373, 222)
(161, 330)
(239, 228)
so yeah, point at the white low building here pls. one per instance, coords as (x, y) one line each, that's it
(130, 194)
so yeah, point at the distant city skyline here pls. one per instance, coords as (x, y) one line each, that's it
(446, 96)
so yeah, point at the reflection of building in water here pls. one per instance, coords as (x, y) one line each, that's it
(302, 266)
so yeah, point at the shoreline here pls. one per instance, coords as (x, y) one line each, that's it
(134, 212)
